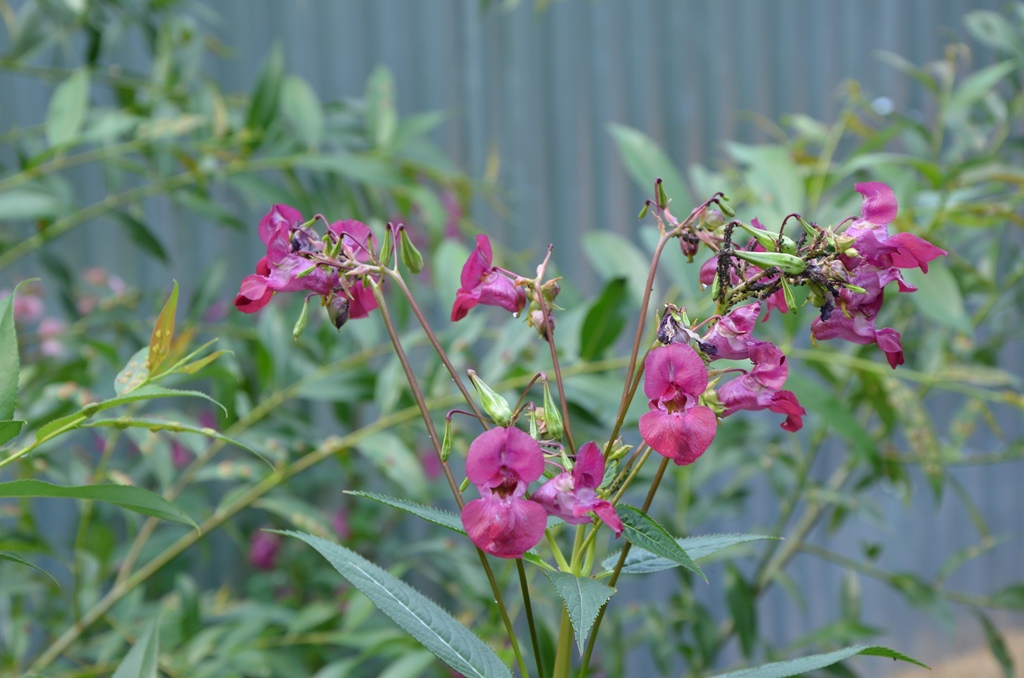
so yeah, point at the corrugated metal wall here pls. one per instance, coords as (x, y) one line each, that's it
(539, 89)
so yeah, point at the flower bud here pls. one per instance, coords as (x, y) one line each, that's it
(387, 248)
(811, 231)
(550, 291)
(726, 210)
(787, 292)
(300, 324)
(337, 310)
(816, 294)
(643, 212)
(762, 237)
(552, 415)
(787, 245)
(844, 243)
(446, 442)
(713, 219)
(411, 256)
(496, 407)
(618, 451)
(787, 263)
(660, 189)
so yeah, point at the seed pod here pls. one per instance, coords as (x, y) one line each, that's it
(787, 263)
(387, 248)
(787, 292)
(446, 442)
(300, 324)
(411, 256)
(762, 237)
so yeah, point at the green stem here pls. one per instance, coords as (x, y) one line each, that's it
(549, 334)
(421, 403)
(524, 584)
(563, 651)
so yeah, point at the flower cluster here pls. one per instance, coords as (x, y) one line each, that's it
(298, 259)
(501, 463)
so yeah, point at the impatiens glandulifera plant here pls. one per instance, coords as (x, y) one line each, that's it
(690, 394)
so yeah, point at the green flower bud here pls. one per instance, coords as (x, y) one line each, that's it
(464, 486)
(411, 256)
(816, 295)
(762, 237)
(787, 245)
(726, 210)
(787, 263)
(300, 324)
(552, 415)
(662, 198)
(618, 451)
(446, 442)
(496, 407)
(387, 248)
(811, 231)
(787, 292)
(643, 212)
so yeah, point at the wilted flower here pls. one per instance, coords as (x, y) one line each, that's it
(677, 426)
(501, 462)
(731, 338)
(571, 496)
(760, 389)
(871, 236)
(483, 283)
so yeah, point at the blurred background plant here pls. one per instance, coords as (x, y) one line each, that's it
(139, 144)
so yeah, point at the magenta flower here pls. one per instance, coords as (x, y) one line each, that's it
(731, 338)
(872, 240)
(572, 495)
(677, 426)
(483, 283)
(263, 549)
(501, 462)
(760, 389)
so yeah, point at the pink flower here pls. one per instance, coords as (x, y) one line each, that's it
(501, 462)
(483, 283)
(571, 495)
(760, 389)
(263, 549)
(676, 427)
(860, 330)
(872, 240)
(732, 337)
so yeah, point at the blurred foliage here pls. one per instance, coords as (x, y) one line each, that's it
(162, 127)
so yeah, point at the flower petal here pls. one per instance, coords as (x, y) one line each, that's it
(879, 205)
(507, 527)
(499, 454)
(680, 436)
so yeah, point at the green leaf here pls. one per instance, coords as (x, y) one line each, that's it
(612, 256)
(938, 296)
(994, 30)
(9, 428)
(163, 332)
(645, 161)
(67, 108)
(796, 667)
(741, 600)
(604, 321)
(774, 178)
(28, 203)
(134, 373)
(142, 237)
(640, 561)
(173, 426)
(15, 558)
(68, 420)
(10, 364)
(976, 86)
(428, 513)
(821, 401)
(583, 599)
(642, 530)
(147, 392)
(396, 460)
(141, 660)
(127, 497)
(424, 620)
(381, 118)
(997, 644)
(267, 93)
(301, 108)
(362, 169)
(1009, 598)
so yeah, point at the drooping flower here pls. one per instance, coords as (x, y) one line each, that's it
(871, 235)
(731, 338)
(501, 463)
(572, 495)
(761, 388)
(483, 283)
(677, 426)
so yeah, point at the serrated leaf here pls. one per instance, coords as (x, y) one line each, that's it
(163, 332)
(640, 561)
(172, 426)
(134, 373)
(9, 429)
(67, 108)
(643, 531)
(15, 558)
(10, 363)
(141, 660)
(604, 321)
(796, 667)
(196, 365)
(428, 513)
(127, 497)
(68, 420)
(583, 599)
(645, 161)
(301, 108)
(147, 392)
(424, 620)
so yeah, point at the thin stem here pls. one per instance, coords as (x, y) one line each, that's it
(432, 338)
(549, 334)
(524, 584)
(618, 568)
(425, 413)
